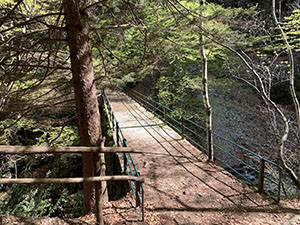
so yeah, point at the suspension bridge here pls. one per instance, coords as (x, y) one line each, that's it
(181, 186)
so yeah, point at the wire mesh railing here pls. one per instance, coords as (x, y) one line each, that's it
(250, 167)
(128, 161)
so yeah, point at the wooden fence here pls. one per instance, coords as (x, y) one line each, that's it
(24, 150)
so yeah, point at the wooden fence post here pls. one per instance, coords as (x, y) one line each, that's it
(98, 188)
(261, 176)
(99, 199)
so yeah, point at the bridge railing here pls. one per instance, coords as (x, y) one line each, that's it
(243, 163)
(129, 166)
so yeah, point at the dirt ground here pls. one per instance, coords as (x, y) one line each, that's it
(181, 187)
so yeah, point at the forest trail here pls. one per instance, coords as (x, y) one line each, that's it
(181, 187)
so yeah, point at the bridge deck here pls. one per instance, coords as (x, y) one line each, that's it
(181, 187)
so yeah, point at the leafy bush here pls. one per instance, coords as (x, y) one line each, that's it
(44, 200)
(40, 200)
(36, 201)
(32, 132)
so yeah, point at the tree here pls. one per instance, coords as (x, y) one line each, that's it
(295, 100)
(263, 75)
(255, 48)
(41, 42)
(207, 104)
(78, 36)
(33, 54)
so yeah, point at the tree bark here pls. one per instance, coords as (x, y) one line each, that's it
(205, 89)
(85, 90)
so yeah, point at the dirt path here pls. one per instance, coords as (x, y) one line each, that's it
(181, 187)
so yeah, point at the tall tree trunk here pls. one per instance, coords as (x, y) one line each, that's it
(205, 88)
(291, 63)
(85, 90)
(260, 88)
(284, 137)
(263, 93)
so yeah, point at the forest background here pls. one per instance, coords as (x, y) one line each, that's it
(141, 44)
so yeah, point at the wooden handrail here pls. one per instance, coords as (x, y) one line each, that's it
(12, 149)
(67, 180)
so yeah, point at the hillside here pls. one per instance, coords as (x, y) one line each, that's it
(239, 115)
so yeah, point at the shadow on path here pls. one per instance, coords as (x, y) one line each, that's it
(230, 194)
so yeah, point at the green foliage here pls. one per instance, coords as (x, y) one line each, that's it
(43, 200)
(175, 39)
(105, 127)
(26, 56)
(291, 26)
(9, 129)
(33, 132)
(60, 136)
(40, 200)
(181, 94)
(32, 202)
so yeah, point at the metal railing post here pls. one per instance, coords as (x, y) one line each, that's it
(109, 111)
(112, 122)
(124, 157)
(117, 134)
(125, 163)
(143, 205)
(261, 176)
(137, 190)
(182, 127)
(279, 184)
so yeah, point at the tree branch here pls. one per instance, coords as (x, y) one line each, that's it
(10, 12)
(29, 21)
(92, 5)
(118, 26)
